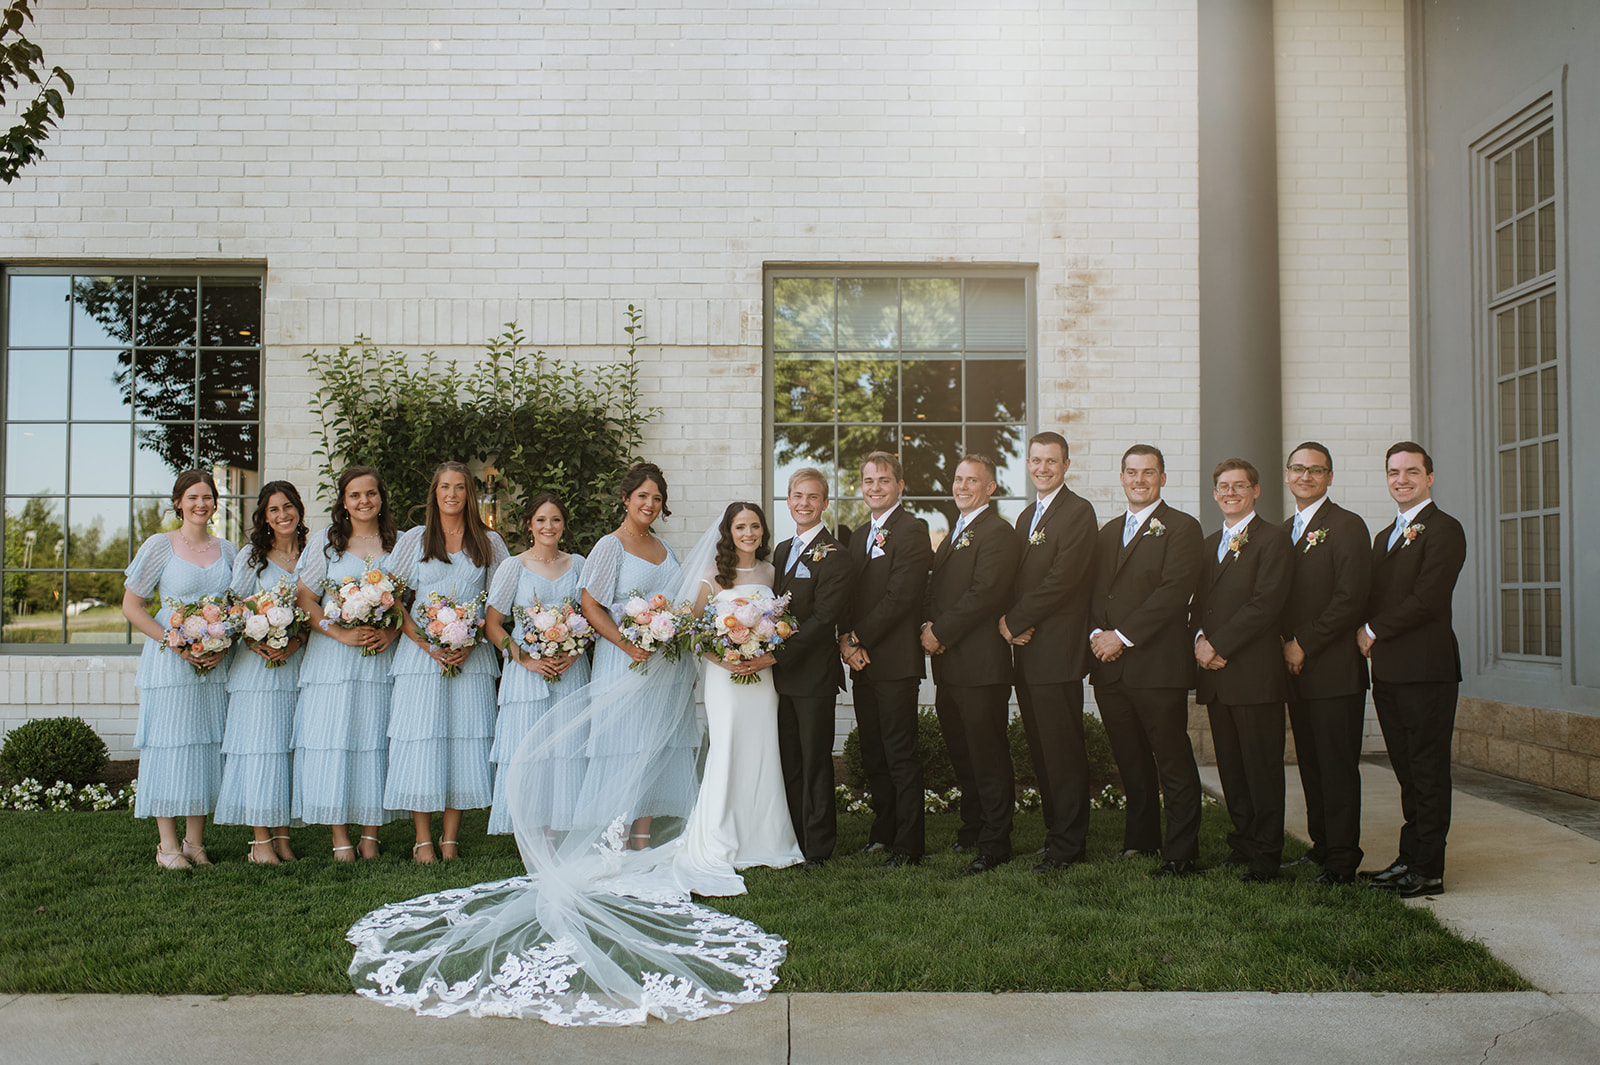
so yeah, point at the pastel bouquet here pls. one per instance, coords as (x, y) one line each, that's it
(551, 632)
(269, 618)
(737, 630)
(371, 597)
(450, 624)
(655, 624)
(201, 627)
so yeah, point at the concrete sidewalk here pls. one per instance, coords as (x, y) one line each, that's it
(1526, 887)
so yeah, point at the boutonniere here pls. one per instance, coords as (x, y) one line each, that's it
(1237, 541)
(1410, 534)
(964, 541)
(1036, 538)
(1314, 538)
(1155, 528)
(881, 539)
(820, 552)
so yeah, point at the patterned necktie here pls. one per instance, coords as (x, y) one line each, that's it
(1129, 527)
(1400, 524)
(1299, 525)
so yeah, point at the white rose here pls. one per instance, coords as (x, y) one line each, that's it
(279, 617)
(635, 607)
(662, 626)
(544, 619)
(257, 627)
(330, 610)
(447, 615)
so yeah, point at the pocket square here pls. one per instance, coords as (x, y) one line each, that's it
(800, 570)
(877, 552)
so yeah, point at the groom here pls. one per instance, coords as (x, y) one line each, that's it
(814, 569)
(890, 557)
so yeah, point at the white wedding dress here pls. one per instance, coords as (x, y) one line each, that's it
(742, 816)
(597, 934)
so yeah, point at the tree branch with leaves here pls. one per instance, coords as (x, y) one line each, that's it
(23, 61)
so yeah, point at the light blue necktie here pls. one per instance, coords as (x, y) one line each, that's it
(1129, 527)
(961, 523)
(1038, 515)
(872, 537)
(1400, 524)
(794, 555)
(1299, 525)
(1222, 544)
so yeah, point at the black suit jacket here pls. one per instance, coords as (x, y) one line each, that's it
(1051, 593)
(967, 593)
(886, 611)
(1143, 591)
(1328, 592)
(1238, 606)
(1409, 610)
(808, 662)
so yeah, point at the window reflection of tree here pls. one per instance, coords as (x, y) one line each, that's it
(166, 321)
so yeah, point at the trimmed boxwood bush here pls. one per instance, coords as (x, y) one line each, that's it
(939, 775)
(52, 749)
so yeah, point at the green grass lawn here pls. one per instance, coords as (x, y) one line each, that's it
(83, 908)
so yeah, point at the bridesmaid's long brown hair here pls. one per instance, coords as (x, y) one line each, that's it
(474, 539)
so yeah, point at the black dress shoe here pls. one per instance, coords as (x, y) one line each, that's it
(1183, 868)
(1305, 859)
(1134, 852)
(812, 864)
(1040, 853)
(1327, 877)
(984, 863)
(1052, 865)
(1383, 876)
(898, 860)
(874, 848)
(1412, 885)
(1256, 876)
(1235, 858)
(962, 848)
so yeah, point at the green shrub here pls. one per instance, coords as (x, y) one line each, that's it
(52, 749)
(938, 774)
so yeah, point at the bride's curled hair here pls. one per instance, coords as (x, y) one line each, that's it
(638, 474)
(727, 553)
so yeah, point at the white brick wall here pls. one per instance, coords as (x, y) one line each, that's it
(1342, 238)
(424, 172)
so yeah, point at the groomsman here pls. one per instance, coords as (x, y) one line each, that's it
(814, 570)
(1416, 664)
(1047, 624)
(1332, 576)
(1244, 584)
(881, 645)
(1146, 566)
(971, 584)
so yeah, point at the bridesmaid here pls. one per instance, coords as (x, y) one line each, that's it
(541, 575)
(341, 750)
(441, 729)
(259, 740)
(181, 715)
(634, 560)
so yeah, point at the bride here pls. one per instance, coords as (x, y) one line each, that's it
(597, 933)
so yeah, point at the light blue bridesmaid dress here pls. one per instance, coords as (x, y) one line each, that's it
(258, 746)
(610, 575)
(441, 729)
(181, 716)
(341, 724)
(525, 696)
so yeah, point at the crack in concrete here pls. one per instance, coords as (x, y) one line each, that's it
(1521, 1027)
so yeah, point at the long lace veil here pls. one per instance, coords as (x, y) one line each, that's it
(595, 933)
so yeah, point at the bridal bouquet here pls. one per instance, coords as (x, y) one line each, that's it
(552, 632)
(202, 627)
(654, 624)
(450, 624)
(269, 618)
(737, 630)
(370, 598)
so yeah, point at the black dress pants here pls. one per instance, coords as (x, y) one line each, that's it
(1149, 733)
(805, 748)
(1052, 716)
(886, 714)
(1249, 745)
(1327, 744)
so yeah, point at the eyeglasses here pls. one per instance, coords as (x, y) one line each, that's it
(1233, 489)
(1315, 471)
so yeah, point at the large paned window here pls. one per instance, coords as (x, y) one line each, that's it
(923, 364)
(115, 382)
(1527, 367)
